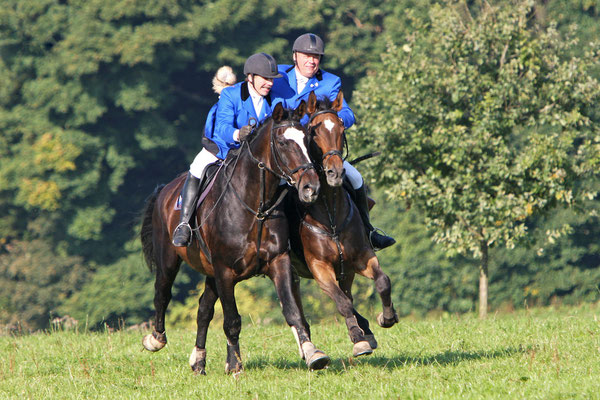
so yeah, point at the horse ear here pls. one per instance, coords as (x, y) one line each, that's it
(339, 102)
(278, 112)
(312, 103)
(301, 110)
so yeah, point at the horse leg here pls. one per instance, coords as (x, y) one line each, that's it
(388, 317)
(167, 267)
(324, 274)
(280, 272)
(363, 323)
(232, 321)
(298, 299)
(206, 311)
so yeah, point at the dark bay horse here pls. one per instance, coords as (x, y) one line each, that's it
(241, 233)
(328, 236)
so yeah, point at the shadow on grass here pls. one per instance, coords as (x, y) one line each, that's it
(390, 363)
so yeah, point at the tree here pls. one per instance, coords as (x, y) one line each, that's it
(486, 121)
(34, 280)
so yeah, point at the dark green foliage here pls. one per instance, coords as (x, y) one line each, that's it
(118, 294)
(100, 101)
(565, 270)
(34, 281)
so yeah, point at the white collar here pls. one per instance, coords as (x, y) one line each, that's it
(257, 99)
(299, 77)
(253, 93)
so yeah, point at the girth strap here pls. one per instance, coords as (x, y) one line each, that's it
(334, 234)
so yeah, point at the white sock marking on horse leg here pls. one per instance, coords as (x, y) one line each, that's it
(309, 349)
(295, 332)
(197, 355)
(151, 344)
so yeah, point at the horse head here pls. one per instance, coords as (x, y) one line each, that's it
(327, 132)
(289, 147)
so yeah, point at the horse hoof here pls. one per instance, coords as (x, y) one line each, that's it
(152, 344)
(315, 358)
(198, 361)
(318, 360)
(234, 370)
(362, 348)
(386, 323)
(372, 341)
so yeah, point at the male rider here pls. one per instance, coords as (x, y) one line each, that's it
(295, 85)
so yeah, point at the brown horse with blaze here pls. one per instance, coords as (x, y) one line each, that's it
(328, 237)
(240, 233)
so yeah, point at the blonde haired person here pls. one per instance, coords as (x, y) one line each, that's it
(227, 124)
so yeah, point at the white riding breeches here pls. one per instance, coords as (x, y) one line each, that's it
(205, 157)
(353, 175)
(199, 164)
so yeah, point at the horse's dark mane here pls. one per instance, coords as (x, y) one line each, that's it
(324, 103)
(289, 115)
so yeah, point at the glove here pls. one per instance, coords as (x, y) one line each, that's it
(244, 132)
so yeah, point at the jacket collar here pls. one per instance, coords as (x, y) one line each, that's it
(245, 93)
(318, 75)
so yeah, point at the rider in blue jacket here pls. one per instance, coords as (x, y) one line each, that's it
(295, 85)
(228, 125)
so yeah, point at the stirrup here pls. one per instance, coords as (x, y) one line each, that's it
(381, 233)
(179, 232)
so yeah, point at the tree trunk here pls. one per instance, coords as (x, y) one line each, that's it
(483, 281)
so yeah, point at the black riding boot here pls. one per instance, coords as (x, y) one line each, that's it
(189, 194)
(378, 241)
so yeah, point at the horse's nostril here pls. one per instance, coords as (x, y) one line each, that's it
(330, 172)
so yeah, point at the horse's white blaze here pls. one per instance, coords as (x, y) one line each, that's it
(297, 136)
(328, 125)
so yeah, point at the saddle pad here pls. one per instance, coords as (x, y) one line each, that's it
(207, 180)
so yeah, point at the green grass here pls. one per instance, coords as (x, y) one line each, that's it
(535, 354)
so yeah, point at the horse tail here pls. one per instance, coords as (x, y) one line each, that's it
(147, 230)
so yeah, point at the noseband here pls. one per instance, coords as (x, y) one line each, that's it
(282, 174)
(288, 177)
(330, 152)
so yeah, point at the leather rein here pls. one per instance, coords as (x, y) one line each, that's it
(265, 210)
(334, 231)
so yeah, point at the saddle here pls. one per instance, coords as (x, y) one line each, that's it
(208, 178)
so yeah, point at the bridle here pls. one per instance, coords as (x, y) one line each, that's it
(265, 210)
(282, 174)
(334, 152)
(334, 231)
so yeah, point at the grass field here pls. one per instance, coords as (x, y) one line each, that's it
(531, 354)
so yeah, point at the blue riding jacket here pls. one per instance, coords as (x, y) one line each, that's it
(233, 110)
(324, 84)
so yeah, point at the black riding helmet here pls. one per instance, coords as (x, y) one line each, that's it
(309, 43)
(261, 64)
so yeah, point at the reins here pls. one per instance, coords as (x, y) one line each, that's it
(331, 152)
(335, 232)
(265, 210)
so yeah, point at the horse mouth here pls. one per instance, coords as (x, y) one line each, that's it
(308, 193)
(334, 177)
